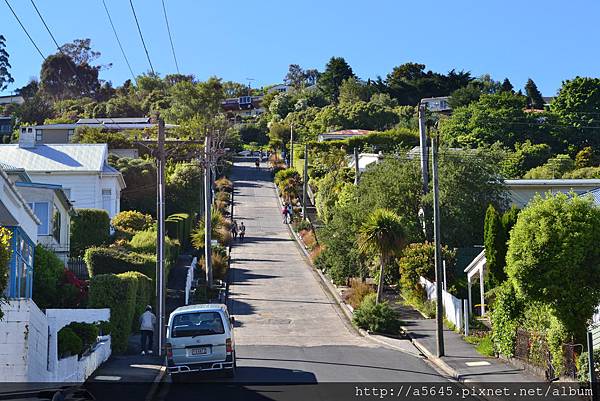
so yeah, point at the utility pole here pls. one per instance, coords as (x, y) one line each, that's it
(356, 168)
(438, 250)
(424, 153)
(160, 240)
(291, 145)
(305, 181)
(207, 209)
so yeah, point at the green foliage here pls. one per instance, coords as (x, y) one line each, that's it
(49, 271)
(89, 227)
(144, 295)
(5, 254)
(555, 167)
(119, 293)
(183, 190)
(496, 233)
(583, 374)
(69, 343)
(289, 182)
(145, 242)
(104, 328)
(583, 173)
(87, 332)
(534, 97)
(376, 317)
(525, 157)
(109, 260)
(386, 141)
(329, 189)
(130, 222)
(5, 76)
(219, 230)
(336, 71)
(586, 157)
(418, 260)
(484, 345)
(553, 257)
(577, 105)
(179, 227)
(115, 140)
(140, 178)
(505, 316)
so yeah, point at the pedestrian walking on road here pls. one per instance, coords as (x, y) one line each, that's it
(284, 213)
(147, 323)
(242, 231)
(234, 229)
(290, 212)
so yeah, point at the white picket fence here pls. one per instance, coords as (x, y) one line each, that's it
(453, 307)
(189, 280)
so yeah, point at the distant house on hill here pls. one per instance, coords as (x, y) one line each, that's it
(521, 192)
(342, 134)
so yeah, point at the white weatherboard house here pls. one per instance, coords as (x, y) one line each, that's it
(81, 170)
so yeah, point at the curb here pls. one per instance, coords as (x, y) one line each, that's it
(155, 383)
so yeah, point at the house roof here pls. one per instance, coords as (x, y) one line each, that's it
(476, 264)
(595, 194)
(56, 157)
(349, 132)
(116, 120)
(554, 183)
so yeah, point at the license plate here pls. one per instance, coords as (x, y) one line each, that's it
(199, 351)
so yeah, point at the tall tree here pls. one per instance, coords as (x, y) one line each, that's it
(336, 71)
(62, 78)
(5, 77)
(295, 77)
(507, 86)
(534, 97)
(80, 51)
(382, 233)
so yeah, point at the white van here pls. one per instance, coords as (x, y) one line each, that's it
(200, 338)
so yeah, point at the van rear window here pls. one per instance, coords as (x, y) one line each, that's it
(197, 324)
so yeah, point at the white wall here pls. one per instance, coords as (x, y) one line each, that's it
(28, 344)
(86, 189)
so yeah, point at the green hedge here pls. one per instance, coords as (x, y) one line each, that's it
(49, 271)
(107, 260)
(90, 227)
(119, 293)
(179, 226)
(144, 295)
(88, 332)
(69, 343)
(145, 242)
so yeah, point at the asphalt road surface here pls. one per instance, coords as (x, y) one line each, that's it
(292, 340)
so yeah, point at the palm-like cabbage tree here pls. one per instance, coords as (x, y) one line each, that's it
(382, 233)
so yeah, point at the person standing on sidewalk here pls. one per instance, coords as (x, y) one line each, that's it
(284, 213)
(290, 213)
(242, 231)
(234, 229)
(147, 323)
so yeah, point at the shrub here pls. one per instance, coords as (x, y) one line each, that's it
(418, 260)
(104, 328)
(89, 227)
(179, 226)
(144, 295)
(88, 332)
(5, 253)
(49, 271)
(583, 374)
(223, 197)
(130, 222)
(309, 239)
(108, 260)
(69, 343)
(223, 185)
(119, 293)
(507, 310)
(357, 292)
(376, 317)
(145, 242)
(217, 223)
(219, 264)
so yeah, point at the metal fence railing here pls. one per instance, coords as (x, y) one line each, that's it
(78, 267)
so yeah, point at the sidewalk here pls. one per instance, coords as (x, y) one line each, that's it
(461, 360)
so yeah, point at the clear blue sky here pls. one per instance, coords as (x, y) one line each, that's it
(549, 41)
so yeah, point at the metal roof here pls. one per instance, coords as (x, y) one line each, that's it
(554, 183)
(116, 120)
(56, 157)
(58, 189)
(595, 194)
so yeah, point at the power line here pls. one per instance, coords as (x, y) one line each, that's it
(25, 30)
(141, 36)
(119, 42)
(48, 29)
(170, 37)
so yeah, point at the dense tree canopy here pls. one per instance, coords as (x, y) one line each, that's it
(5, 77)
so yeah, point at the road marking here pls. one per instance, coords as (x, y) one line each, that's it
(108, 378)
(478, 363)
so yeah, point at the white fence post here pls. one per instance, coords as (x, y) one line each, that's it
(466, 315)
(189, 279)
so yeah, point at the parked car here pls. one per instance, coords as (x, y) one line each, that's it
(199, 339)
(245, 153)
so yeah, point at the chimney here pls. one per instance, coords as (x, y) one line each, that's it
(27, 137)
